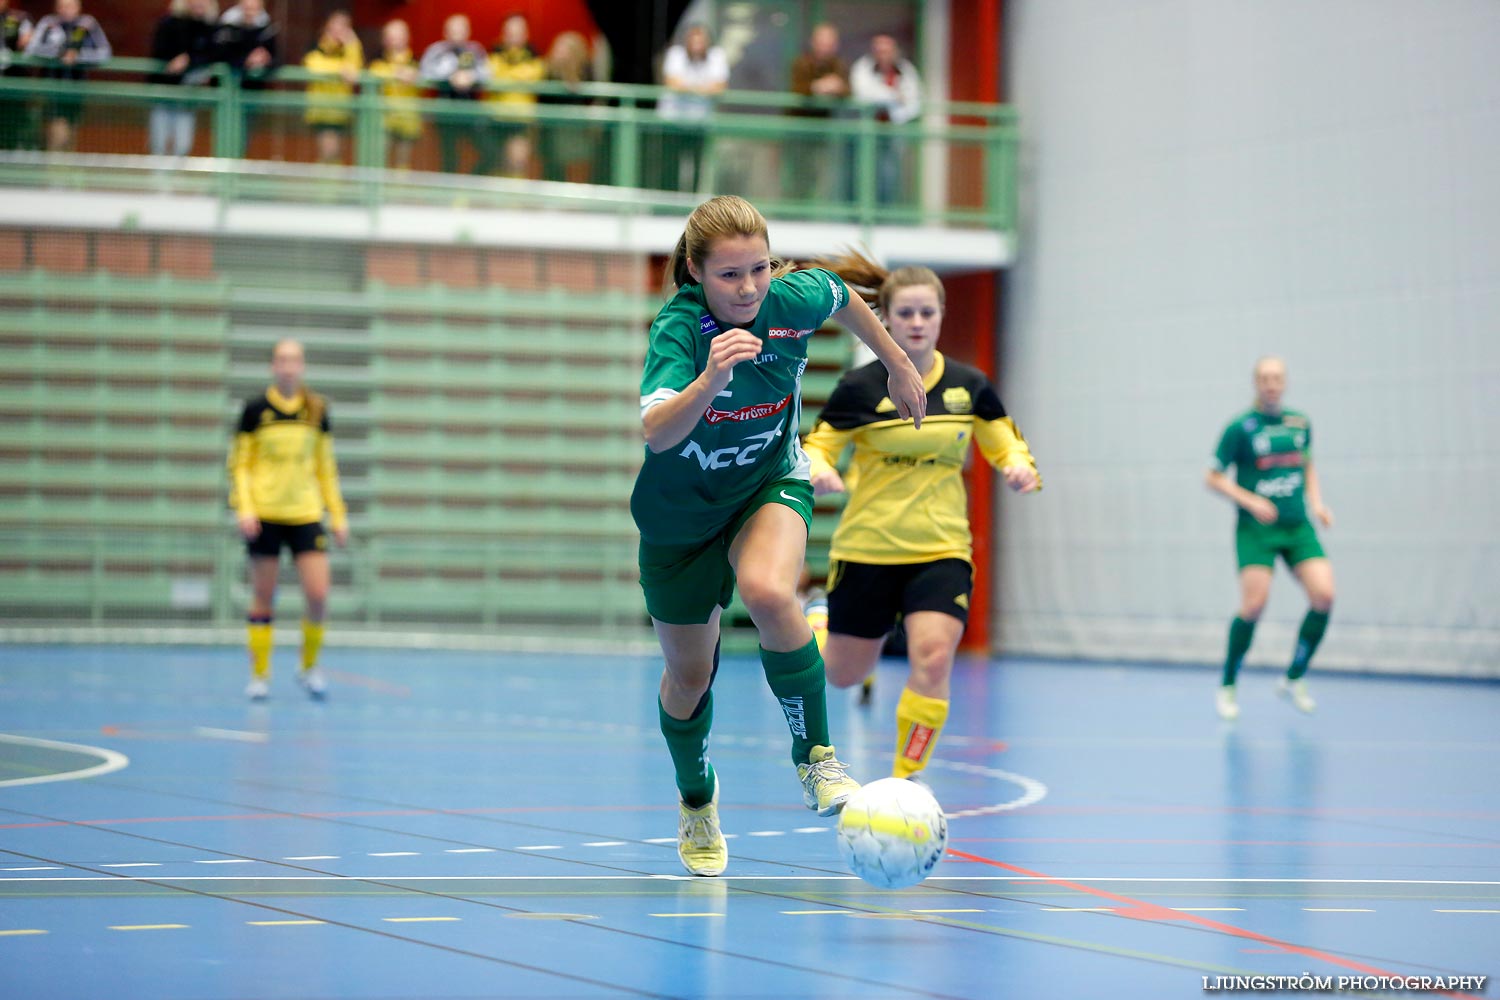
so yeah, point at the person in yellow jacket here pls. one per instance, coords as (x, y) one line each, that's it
(338, 59)
(903, 546)
(513, 60)
(401, 87)
(283, 478)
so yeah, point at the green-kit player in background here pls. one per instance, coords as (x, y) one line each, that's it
(1275, 488)
(724, 496)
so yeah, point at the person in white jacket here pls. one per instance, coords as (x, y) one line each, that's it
(890, 83)
(71, 40)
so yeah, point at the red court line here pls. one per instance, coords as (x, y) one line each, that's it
(1138, 909)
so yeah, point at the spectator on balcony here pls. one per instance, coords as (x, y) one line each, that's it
(337, 58)
(694, 72)
(459, 68)
(401, 87)
(248, 42)
(513, 61)
(568, 147)
(889, 83)
(71, 41)
(15, 32)
(817, 164)
(183, 43)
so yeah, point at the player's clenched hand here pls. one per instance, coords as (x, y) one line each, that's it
(904, 386)
(727, 350)
(826, 482)
(1021, 478)
(250, 527)
(1324, 515)
(1261, 509)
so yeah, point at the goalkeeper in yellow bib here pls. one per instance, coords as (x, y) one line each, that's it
(724, 499)
(1275, 488)
(283, 478)
(903, 544)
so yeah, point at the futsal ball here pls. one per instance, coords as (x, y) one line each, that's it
(892, 833)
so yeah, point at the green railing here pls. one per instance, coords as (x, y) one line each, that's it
(955, 166)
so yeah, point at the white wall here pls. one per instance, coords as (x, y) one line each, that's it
(1206, 181)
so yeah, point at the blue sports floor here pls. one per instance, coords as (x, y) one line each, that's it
(462, 825)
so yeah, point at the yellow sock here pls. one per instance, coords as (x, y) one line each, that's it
(259, 641)
(919, 720)
(817, 620)
(312, 643)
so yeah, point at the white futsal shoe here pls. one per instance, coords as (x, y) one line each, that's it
(1224, 701)
(1296, 692)
(257, 689)
(313, 682)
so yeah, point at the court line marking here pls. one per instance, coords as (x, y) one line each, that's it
(1466, 911)
(684, 914)
(815, 913)
(23, 931)
(1138, 909)
(1336, 909)
(421, 920)
(237, 735)
(283, 923)
(1045, 879)
(112, 761)
(394, 854)
(149, 927)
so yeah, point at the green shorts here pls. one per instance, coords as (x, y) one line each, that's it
(684, 583)
(1259, 544)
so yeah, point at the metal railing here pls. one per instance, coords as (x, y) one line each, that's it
(954, 166)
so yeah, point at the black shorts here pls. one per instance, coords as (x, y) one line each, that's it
(299, 538)
(865, 599)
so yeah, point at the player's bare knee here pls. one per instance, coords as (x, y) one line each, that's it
(1250, 611)
(841, 673)
(766, 600)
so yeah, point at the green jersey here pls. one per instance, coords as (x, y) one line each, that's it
(1270, 453)
(747, 436)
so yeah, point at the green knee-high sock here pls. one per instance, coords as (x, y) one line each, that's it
(1240, 634)
(1314, 624)
(687, 742)
(796, 679)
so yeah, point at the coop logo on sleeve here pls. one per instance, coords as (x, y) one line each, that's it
(786, 333)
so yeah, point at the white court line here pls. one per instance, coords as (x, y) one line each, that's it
(314, 857)
(112, 761)
(134, 864)
(605, 843)
(465, 850)
(394, 854)
(41, 868)
(226, 861)
(238, 735)
(726, 878)
(1336, 909)
(1032, 791)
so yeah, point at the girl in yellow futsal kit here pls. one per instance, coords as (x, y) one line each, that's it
(282, 478)
(903, 545)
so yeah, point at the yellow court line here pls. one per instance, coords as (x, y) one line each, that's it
(282, 923)
(148, 927)
(947, 911)
(686, 914)
(1078, 909)
(23, 930)
(419, 920)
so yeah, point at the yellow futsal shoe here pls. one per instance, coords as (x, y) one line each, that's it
(700, 843)
(825, 786)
